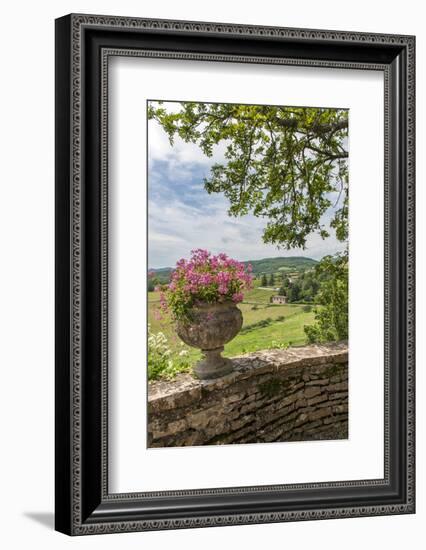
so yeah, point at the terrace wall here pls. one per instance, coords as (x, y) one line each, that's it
(275, 395)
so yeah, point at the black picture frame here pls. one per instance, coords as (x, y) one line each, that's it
(83, 45)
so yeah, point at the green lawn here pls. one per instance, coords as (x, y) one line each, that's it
(284, 325)
(258, 296)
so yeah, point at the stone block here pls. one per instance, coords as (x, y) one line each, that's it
(311, 425)
(340, 408)
(339, 395)
(249, 407)
(303, 418)
(336, 418)
(318, 382)
(318, 399)
(296, 387)
(312, 391)
(320, 413)
(340, 386)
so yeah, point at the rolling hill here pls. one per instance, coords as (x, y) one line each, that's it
(272, 265)
(266, 265)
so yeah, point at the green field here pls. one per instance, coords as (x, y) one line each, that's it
(282, 325)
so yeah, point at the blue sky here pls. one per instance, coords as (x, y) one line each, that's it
(183, 216)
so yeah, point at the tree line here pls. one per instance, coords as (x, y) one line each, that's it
(304, 288)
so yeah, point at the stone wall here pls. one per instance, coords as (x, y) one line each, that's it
(275, 395)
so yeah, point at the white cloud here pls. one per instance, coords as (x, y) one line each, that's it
(181, 153)
(177, 228)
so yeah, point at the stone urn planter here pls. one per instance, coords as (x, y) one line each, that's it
(210, 327)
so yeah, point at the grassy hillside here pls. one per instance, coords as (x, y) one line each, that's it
(267, 265)
(271, 265)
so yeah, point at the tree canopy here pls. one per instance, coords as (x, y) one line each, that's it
(286, 164)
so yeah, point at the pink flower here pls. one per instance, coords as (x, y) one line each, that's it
(223, 289)
(157, 315)
(205, 277)
(163, 302)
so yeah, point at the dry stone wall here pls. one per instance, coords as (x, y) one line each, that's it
(275, 395)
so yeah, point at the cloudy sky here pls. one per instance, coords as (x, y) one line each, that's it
(183, 216)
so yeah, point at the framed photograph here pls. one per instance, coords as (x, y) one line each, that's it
(234, 274)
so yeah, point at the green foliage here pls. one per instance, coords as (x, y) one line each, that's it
(158, 277)
(285, 280)
(305, 287)
(162, 361)
(280, 345)
(294, 292)
(264, 280)
(271, 280)
(272, 265)
(331, 317)
(287, 164)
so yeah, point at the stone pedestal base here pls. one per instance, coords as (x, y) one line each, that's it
(213, 365)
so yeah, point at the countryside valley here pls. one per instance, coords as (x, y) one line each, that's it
(291, 282)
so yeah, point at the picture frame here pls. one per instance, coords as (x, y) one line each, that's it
(83, 503)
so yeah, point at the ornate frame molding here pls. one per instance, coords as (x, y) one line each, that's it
(73, 47)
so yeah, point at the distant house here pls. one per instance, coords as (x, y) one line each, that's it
(278, 300)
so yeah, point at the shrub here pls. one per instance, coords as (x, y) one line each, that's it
(331, 317)
(204, 278)
(278, 345)
(162, 363)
